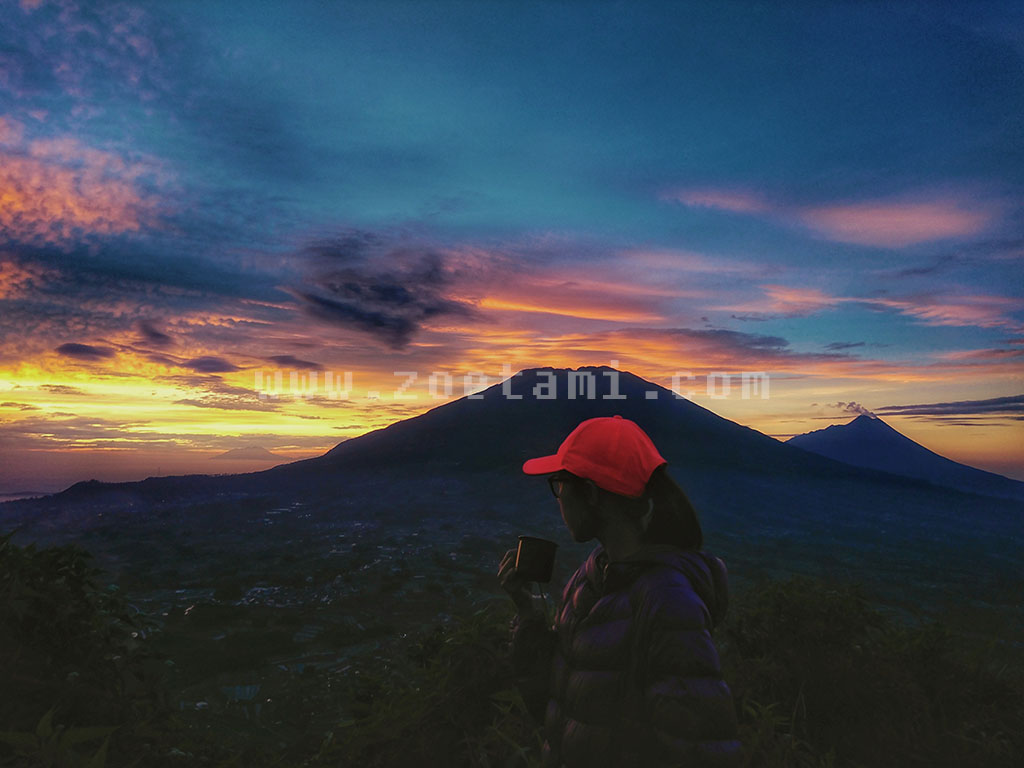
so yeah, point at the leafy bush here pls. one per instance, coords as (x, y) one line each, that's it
(822, 679)
(76, 661)
(451, 696)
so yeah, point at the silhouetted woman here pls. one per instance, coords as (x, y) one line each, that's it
(628, 674)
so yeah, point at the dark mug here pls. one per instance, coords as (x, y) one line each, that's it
(535, 559)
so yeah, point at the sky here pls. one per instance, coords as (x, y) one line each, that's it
(279, 225)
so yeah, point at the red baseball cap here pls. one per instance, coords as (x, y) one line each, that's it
(610, 450)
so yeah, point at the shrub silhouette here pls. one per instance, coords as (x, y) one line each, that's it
(76, 663)
(821, 678)
(450, 700)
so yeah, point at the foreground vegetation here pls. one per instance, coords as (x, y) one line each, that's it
(820, 678)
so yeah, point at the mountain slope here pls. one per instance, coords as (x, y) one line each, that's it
(511, 422)
(870, 442)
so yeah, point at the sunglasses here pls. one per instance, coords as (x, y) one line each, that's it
(557, 483)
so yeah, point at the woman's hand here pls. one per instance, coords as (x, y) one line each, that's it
(518, 588)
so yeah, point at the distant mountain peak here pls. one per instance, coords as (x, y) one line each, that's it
(250, 453)
(869, 442)
(868, 421)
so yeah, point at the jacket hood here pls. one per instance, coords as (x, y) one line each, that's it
(706, 573)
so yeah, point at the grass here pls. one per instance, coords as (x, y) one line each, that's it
(821, 679)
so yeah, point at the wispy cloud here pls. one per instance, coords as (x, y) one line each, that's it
(290, 361)
(70, 431)
(836, 346)
(1012, 405)
(19, 406)
(787, 301)
(61, 389)
(737, 201)
(627, 286)
(928, 308)
(977, 310)
(888, 222)
(135, 439)
(895, 223)
(569, 306)
(252, 403)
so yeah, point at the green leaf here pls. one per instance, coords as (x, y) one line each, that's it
(45, 727)
(505, 695)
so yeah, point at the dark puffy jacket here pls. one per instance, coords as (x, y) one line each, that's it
(633, 677)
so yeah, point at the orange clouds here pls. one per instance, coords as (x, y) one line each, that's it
(888, 223)
(52, 190)
(789, 301)
(568, 308)
(976, 310)
(16, 278)
(793, 300)
(896, 224)
(595, 293)
(981, 311)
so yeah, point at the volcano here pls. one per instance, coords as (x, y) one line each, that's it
(867, 441)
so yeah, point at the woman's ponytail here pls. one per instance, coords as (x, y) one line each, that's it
(674, 519)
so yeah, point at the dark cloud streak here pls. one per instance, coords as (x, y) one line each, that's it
(85, 352)
(152, 336)
(290, 361)
(1011, 405)
(61, 389)
(361, 281)
(835, 346)
(210, 364)
(228, 404)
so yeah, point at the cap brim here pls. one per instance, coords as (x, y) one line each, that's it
(544, 465)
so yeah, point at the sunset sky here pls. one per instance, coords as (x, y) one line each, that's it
(198, 196)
